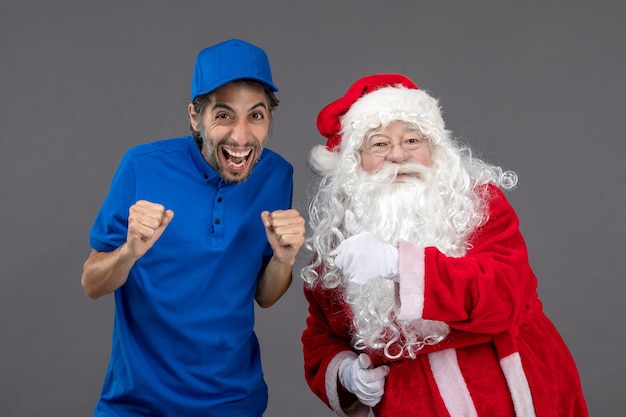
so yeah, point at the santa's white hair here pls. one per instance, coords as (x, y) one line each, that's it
(440, 209)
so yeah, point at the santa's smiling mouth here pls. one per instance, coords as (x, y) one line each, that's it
(408, 176)
(236, 160)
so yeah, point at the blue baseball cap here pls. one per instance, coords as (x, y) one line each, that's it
(229, 61)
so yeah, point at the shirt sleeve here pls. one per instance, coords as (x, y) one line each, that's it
(483, 291)
(110, 227)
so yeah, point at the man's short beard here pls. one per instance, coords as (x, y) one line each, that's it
(209, 151)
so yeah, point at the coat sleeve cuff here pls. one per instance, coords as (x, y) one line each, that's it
(357, 409)
(410, 304)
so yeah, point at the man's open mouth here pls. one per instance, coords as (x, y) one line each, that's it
(236, 160)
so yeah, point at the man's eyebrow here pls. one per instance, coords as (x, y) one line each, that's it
(222, 106)
(259, 104)
(225, 106)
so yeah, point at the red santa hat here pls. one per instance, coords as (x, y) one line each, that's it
(395, 94)
(328, 120)
(370, 102)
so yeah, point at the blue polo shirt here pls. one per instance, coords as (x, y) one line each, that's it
(183, 340)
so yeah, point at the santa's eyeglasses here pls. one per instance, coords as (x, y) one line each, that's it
(381, 145)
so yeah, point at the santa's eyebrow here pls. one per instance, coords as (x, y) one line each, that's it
(411, 128)
(373, 133)
(369, 138)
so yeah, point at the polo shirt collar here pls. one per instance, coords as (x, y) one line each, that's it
(203, 167)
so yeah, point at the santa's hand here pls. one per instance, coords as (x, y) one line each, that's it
(363, 256)
(363, 380)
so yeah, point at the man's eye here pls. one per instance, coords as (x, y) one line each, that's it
(257, 116)
(222, 116)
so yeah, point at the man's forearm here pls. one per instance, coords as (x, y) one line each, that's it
(273, 282)
(104, 272)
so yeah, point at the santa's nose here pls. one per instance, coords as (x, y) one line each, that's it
(397, 153)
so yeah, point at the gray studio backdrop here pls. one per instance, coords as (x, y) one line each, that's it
(536, 86)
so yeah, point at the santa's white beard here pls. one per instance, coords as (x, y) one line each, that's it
(412, 210)
(392, 209)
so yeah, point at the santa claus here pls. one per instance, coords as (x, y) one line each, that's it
(421, 298)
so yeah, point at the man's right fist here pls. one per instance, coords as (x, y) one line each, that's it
(146, 223)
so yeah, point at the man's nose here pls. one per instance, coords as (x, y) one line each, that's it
(241, 133)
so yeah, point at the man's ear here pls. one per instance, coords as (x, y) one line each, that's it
(193, 117)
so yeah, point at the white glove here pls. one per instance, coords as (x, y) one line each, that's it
(363, 380)
(363, 256)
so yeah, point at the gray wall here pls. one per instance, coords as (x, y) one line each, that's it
(536, 86)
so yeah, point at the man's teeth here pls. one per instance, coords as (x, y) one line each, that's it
(234, 154)
(236, 160)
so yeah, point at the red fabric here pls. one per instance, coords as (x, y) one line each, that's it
(328, 122)
(489, 294)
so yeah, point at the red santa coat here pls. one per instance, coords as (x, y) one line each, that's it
(502, 358)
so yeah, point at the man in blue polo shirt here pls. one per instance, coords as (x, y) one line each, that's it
(192, 231)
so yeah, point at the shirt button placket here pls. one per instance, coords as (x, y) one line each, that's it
(218, 214)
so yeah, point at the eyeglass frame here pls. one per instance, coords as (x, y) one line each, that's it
(422, 139)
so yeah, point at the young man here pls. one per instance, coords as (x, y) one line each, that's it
(422, 301)
(193, 230)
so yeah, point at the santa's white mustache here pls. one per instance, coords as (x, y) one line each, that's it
(388, 172)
